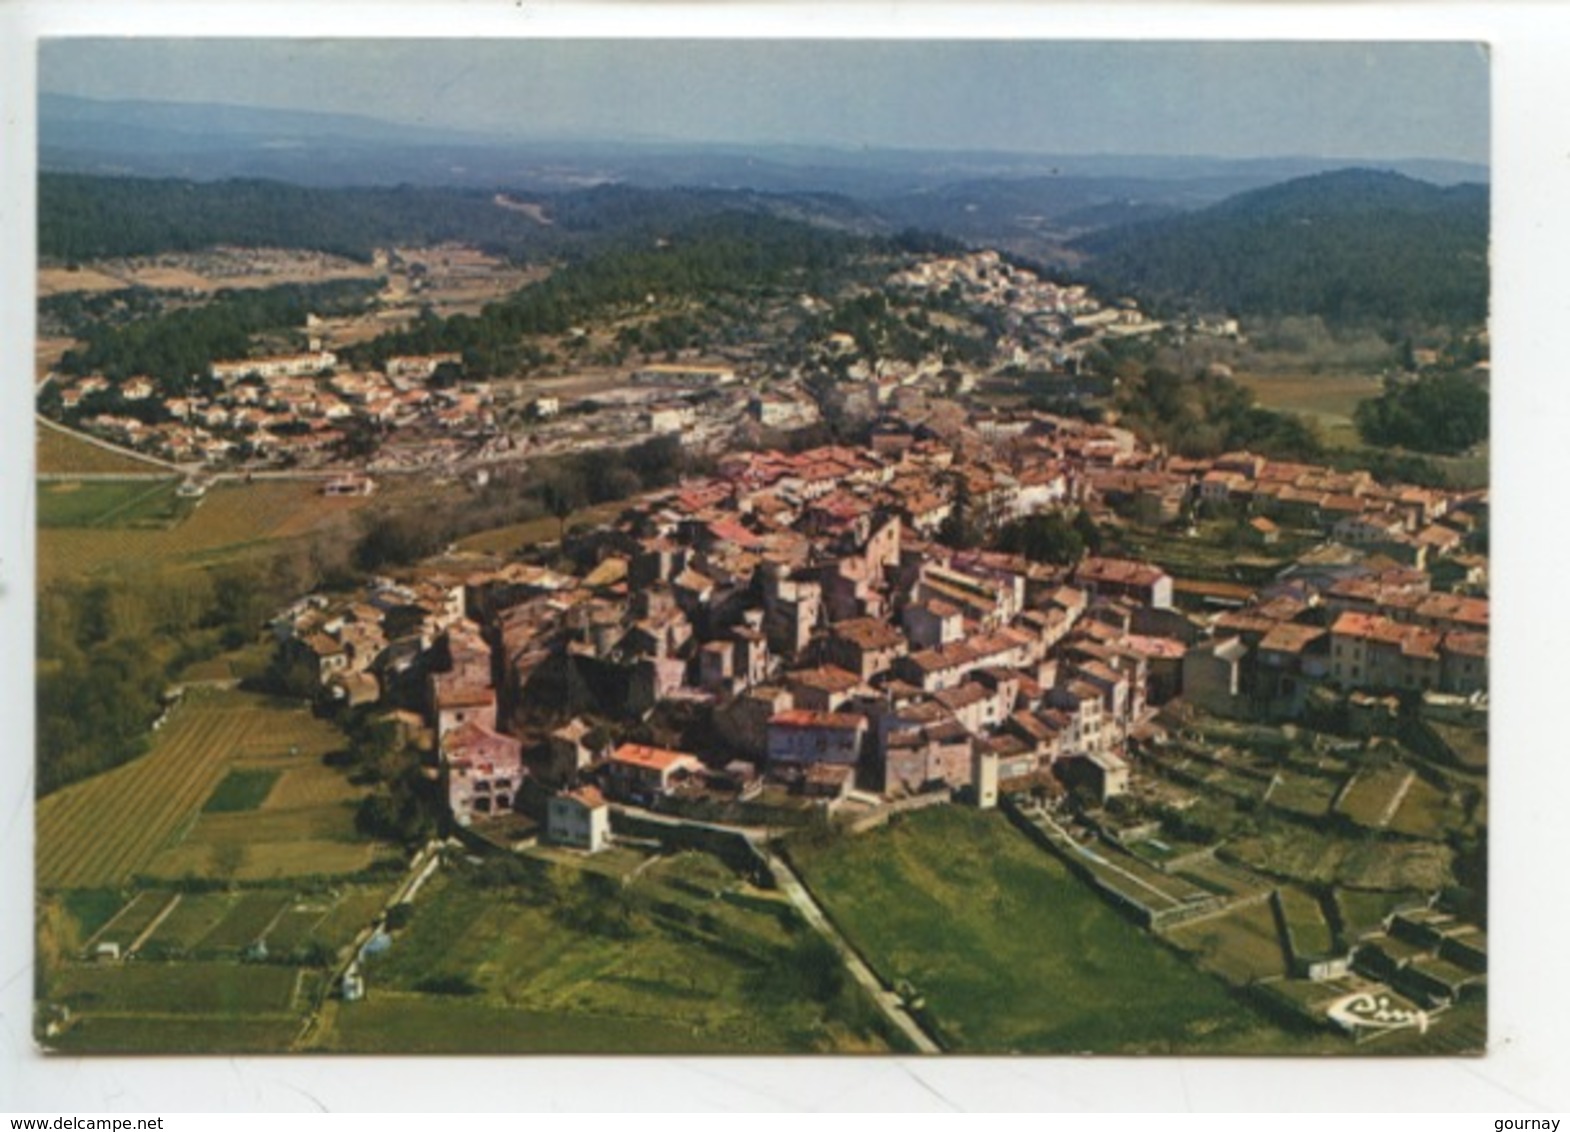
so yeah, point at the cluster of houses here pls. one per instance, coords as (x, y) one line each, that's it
(798, 610)
(296, 407)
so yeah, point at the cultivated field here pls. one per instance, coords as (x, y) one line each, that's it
(1013, 953)
(233, 521)
(400, 1022)
(1310, 856)
(145, 816)
(178, 988)
(1308, 794)
(159, 1033)
(1308, 935)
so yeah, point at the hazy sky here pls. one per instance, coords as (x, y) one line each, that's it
(1386, 100)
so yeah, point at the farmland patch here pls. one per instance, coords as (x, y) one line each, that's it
(241, 790)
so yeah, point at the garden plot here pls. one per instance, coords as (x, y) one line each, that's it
(184, 929)
(1308, 936)
(1241, 945)
(1307, 794)
(1427, 811)
(1373, 796)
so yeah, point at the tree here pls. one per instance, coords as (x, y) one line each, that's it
(1045, 537)
(562, 494)
(1445, 413)
(1089, 533)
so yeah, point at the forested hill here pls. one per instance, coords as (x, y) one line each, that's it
(84, 217)
(1357, 247)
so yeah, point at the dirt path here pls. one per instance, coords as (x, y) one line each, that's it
(887, 1001)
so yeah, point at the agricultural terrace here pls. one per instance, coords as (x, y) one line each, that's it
(147, 816)
(1013, 953)
(1308, 936)
(1373, 796)
(233, 521)
(1289, 851)
(688, 957)
(1427, 811)
(181, 1007)
(1241, 945)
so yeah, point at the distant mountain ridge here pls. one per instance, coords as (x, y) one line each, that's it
(215, 141)
(1353, 246)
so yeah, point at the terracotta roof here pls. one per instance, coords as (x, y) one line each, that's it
(1118, 571)
(834, 721)
(651, 758)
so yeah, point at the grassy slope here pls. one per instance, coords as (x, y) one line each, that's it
(1013, 953)
(678, 984)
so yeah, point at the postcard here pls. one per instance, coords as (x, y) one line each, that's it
(762, 546)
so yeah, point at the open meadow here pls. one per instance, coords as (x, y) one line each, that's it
(1329, 399)
(1014, 954)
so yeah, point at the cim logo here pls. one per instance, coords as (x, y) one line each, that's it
(1377, 1012)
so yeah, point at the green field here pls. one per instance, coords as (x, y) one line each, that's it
(92, 908)
(134, 919)
(143, 1033)
(1013, 953)
(395, 1022)
(1306, 794)
(1426, 811)
(178, 988)
(108, 503)
(241, 790)
(1307, 933)
(192, 920)
(700, 963)
(1328, 399)
(1309, 856)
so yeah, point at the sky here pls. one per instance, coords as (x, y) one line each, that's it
(1226, 99)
